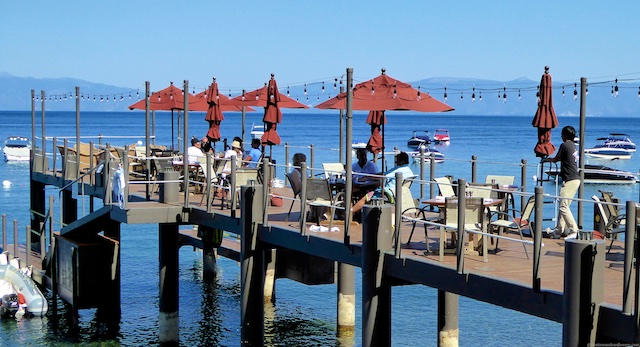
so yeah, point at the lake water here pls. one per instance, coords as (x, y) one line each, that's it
(302, 315)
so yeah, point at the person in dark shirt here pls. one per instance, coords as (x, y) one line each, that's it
(567, 156)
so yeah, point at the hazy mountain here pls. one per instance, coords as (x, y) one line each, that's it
(489, 95)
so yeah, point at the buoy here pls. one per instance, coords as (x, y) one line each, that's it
(6, 183)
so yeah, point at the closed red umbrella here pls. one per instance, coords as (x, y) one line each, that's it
(545, 118)
(214, 113)
(376, 119)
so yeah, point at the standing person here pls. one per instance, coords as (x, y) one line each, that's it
(363, 165)
(567, 155)
(254, 154)
(402, 165)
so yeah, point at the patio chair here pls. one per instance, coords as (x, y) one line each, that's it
(611, 207)
(474, 220)
(296, 194)
(333, 169)
(502, 220)
(412, 206)
(445, 187)
(319, 195)
(612, 224)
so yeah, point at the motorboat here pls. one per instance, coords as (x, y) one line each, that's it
(617, 146)
(420, 138)
(19, 293)
(438, 156)
(602, 174)
(619, 140)
(441, 136)
(17, 148)
(257, 131)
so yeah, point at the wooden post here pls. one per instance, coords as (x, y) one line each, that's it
(376, 293)
(252, 269)
(168, 321)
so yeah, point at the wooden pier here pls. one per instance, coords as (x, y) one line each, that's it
(271, 245)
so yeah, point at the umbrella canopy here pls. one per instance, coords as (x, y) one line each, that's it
(270, 98)
(380, 94)
(167, 99)
(545, 118)
(201, 103)
(386, 93)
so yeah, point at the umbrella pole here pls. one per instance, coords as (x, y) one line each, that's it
(173, 148)
(383, 121)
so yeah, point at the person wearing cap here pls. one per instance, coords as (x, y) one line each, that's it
(235, 150)
(194, 151)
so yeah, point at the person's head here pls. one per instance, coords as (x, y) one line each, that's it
(195, 142)
(402, 159)
(255, 143)
(204, 140)
(361, 154)
(236, 146)
(568, 133)
(299, 158)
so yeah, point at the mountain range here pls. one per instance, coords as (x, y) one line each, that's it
(468, 96)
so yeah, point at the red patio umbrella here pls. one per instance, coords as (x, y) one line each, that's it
(167, 99)
(214, 112)
(376, 119)
(545, 118)
(385, 93)
(270, 98)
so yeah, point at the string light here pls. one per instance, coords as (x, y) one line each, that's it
(575, 91)
(322, 88)
(504, 95)
(480, 96)
(563, 91)
(616, 88)
(418, 97)
(445, 93)
(473, 95)
(461, 96)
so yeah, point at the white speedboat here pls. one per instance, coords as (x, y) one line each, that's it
(17, 148)
(438, 156)
(441, 136)
(257, 131)
(420, 138)
(615, 146)
(603, 175)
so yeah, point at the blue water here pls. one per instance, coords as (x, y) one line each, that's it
(302, 315)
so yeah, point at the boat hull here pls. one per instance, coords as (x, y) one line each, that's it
(35, 302)
(603, 175)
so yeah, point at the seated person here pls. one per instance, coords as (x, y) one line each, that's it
(296, 175)
(254, 154)
(363, 165)
(194, 151)
(205, 145)
(402, 165)
(236, 151)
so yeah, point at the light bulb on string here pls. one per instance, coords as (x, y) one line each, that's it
(305, 90)
(418, 97)
(616, 88)
(498, 95)
(612, 92)
(445, 93)
(563, 91)
(575, 91)
(586, 89)
(473, 94)
(504, 94)
(638, 92)
(461, 96)
(335, 84)
(322, 87)
(480, 97)
(101, 98)
(121, 97)
(138, 94)
(394, 91)
(373, 90)
(288, 94)
(519, 95)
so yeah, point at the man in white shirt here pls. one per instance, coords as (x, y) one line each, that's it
(363, 165)
(194, 151)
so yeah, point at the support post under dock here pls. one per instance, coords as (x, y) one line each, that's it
(251, 269)
(346, 300)
(168, 322)
(376, 292)
(448, 326)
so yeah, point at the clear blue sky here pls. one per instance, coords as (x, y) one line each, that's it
(125, 43)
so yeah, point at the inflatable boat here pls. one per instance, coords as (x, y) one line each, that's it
(26, 292)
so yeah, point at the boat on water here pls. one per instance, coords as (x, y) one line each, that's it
(438, 156)
(257, 131)
(17, 148)
(20, 295)
(420, 138)
(602, 174)
(615, 146)
(441, 136)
